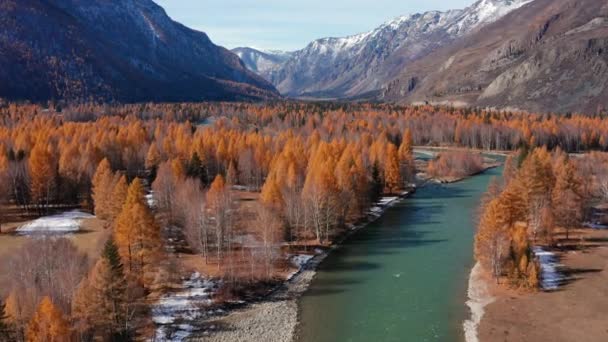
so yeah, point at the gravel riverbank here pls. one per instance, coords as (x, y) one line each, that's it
(276, 318)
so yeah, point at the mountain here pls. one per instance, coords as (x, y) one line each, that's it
(127, 50)
(262, 62)
(551, 55)
(360, 65)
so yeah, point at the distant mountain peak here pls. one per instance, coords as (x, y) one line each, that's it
(359, 64)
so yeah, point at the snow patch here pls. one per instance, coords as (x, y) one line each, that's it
(488, 11)
(150, 200)
(550, 276)
(299, 261)
(479, 298)
(595, 225)
(175, 313)
(64, 223)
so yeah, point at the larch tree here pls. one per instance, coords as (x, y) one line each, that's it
(523, 270)
(152, 157)
(119, 196)
(48, 324)
(392, 174)
(492, 239)
(406, 157)
(138, 236)
(567, 197)
(43, 174)
(271, 193)
(101, 306)
(103, 185)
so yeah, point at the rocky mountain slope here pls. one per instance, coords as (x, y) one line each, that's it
(127, 50)
(262, 62)
(549, 55)
(360, 65)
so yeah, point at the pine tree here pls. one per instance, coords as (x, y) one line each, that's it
(103, 184)
(48, 324)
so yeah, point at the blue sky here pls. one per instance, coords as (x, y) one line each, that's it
(291, 24)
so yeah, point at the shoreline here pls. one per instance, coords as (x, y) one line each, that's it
(276, 317)
(573, 292)
(479, 297)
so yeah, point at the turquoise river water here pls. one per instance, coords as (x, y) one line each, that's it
(402, 278)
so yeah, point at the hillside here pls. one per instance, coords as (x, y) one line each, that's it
(262, 62)
(125, 51)
(359, 65)
(551, 55)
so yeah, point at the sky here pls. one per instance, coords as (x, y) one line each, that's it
(291, 24)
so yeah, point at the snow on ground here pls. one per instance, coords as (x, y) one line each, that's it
(387, 200)
(594, 225)
(176, 312)
(299, 261)
(479, 298)
(551, 278)
(64, 223)
(150, 200)
(383, 203)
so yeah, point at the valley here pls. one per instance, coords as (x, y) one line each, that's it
(294, 172)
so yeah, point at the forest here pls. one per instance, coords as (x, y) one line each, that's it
(233, 189)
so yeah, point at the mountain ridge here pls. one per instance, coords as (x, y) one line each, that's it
(83, 50)
(352, 66)
(554, 59)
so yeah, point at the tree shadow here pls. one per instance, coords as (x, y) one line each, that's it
(572, 275)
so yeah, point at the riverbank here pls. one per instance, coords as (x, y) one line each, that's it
(576, 310)
(275, 319)
(488, 163)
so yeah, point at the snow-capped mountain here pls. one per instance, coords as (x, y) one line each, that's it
(262, 61)
(550, 55)
(361, 64)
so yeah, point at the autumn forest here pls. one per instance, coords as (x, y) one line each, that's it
(232, 190)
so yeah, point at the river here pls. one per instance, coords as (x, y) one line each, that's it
(402, 278)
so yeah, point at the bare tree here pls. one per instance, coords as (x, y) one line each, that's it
(164, 189)
(268, 228)
(47, 267)
(191, 201)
